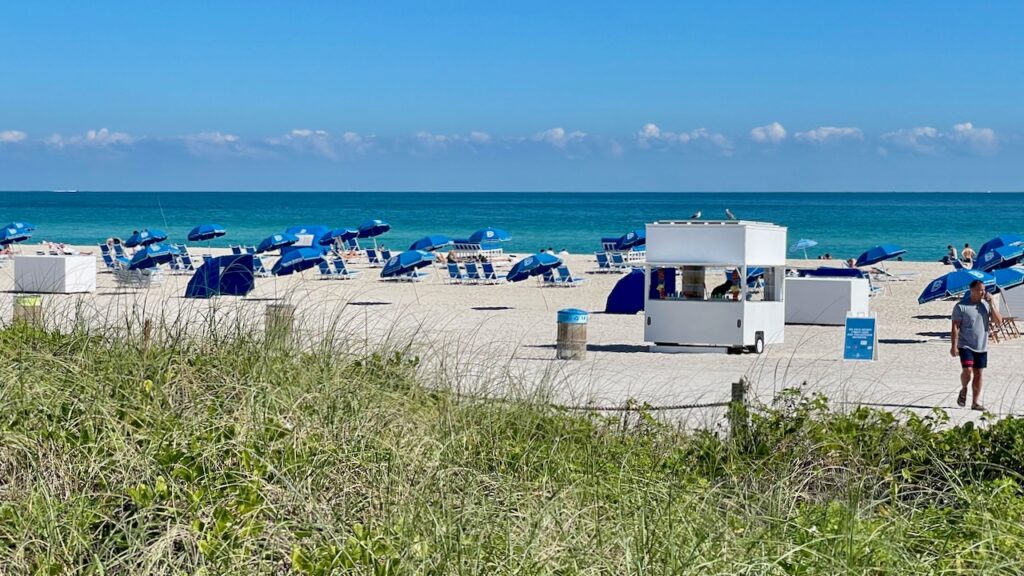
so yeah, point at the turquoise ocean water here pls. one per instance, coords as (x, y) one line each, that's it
(844, 224)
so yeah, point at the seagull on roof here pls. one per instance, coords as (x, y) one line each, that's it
(695, 215)
(729, 215)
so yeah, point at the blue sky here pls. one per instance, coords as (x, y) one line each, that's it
(511, 95)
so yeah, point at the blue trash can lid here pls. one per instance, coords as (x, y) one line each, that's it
(573, 316)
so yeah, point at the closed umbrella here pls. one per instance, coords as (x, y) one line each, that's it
(406, 262)
(632, 239)
(955, 283)
(276, 241)
(534, 265)
(297, 260)
(152, 255)
(205, 232)
(803, 244)
(145, 237)
(431, 242)
(880, 253)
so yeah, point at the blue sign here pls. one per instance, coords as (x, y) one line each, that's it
(861, 341)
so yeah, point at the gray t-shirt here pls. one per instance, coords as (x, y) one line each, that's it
(973, 320)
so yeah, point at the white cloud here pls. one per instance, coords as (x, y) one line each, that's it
(479, 137)
(101, 138)
(651, 135)
(771, 134)
(12, 136)
(927, 140)
(559, 137)
(823, 134)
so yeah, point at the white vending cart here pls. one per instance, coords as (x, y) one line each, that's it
(714, 285)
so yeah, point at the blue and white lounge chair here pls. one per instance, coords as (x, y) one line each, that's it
(250, 249)
(565, 278)
(235, 249)
(371, 256)
(549, 279)
(473, 273)
(341, 270)
(259, 269)
(618, 261)
(603, 264)
(120, 254)
(352, 244)
(455, 274)
(385, 255)
(490, 275)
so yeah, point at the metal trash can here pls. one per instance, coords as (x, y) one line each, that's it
(572, 334)
(28, 308)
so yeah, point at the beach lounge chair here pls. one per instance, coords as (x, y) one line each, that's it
(258, 267)
(473, 273)
(342, 270)
(455, 274)
(235, 249)
(603, 264)
(250, 249)
(186, 259)
(120, 254)
(549, 279)
(567, 279)
(371, 256)
(385, 255)
(618, 262)
(490, 275)
(353, 244)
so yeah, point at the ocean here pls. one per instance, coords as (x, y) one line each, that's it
(843, 224)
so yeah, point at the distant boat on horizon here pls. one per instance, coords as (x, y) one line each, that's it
(65, 191)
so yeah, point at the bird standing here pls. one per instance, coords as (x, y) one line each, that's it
(695, 215)
(729, 215)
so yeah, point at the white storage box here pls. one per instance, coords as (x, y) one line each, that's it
(54, 274)
(825, 301)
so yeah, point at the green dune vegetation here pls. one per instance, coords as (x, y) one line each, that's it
(232, 456)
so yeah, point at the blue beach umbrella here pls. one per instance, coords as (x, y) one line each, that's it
(25, 226)
(999, 257)
(880, 253)
(276, 241)
(1009, 277)
(13, 235)
(534, 265)
(406, 262)
(338, 235)
(953, 284)
(803, 244)
(205, 232)
(297, 260)
(431, 242)
(999, 241)
(372, 228)
(151, 255)
(632, 239)
(489, 235)
(145, 237)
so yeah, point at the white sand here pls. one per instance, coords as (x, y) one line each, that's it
(503, 335)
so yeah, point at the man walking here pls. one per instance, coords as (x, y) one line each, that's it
(969, 333)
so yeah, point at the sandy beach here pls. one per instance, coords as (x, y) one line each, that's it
(492, 337)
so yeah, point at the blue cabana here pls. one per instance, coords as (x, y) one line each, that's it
(489, 235)
(338, 235)
(627, 297)
(297, 260)
(431, 242)
(632, 239)
(1009, 277)
(406, 262)
(999, 257)
(231, 275)
(151, 255)
(534, 265)
(276, 241)
(953, 284)
(205, 232)
(373, 228)
(145, 237)
(14, 235)
(880, 253)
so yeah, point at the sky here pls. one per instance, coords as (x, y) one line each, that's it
(524, 95)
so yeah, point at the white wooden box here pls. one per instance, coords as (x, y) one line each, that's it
(54, 274)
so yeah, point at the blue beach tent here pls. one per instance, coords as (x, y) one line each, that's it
(880, 253)
(232, 275)
(276, 241)
(406, 262)
(627, 296)
(152, 255)
(534, 265)
(145, 237)
(297, 260)
(953, 284)
(205, 232)
(431, 242)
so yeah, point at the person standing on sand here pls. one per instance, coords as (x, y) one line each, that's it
(969, 336)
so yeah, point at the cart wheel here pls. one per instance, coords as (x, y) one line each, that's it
(758, 347)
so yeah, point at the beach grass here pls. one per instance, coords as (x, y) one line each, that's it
(246, 456)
